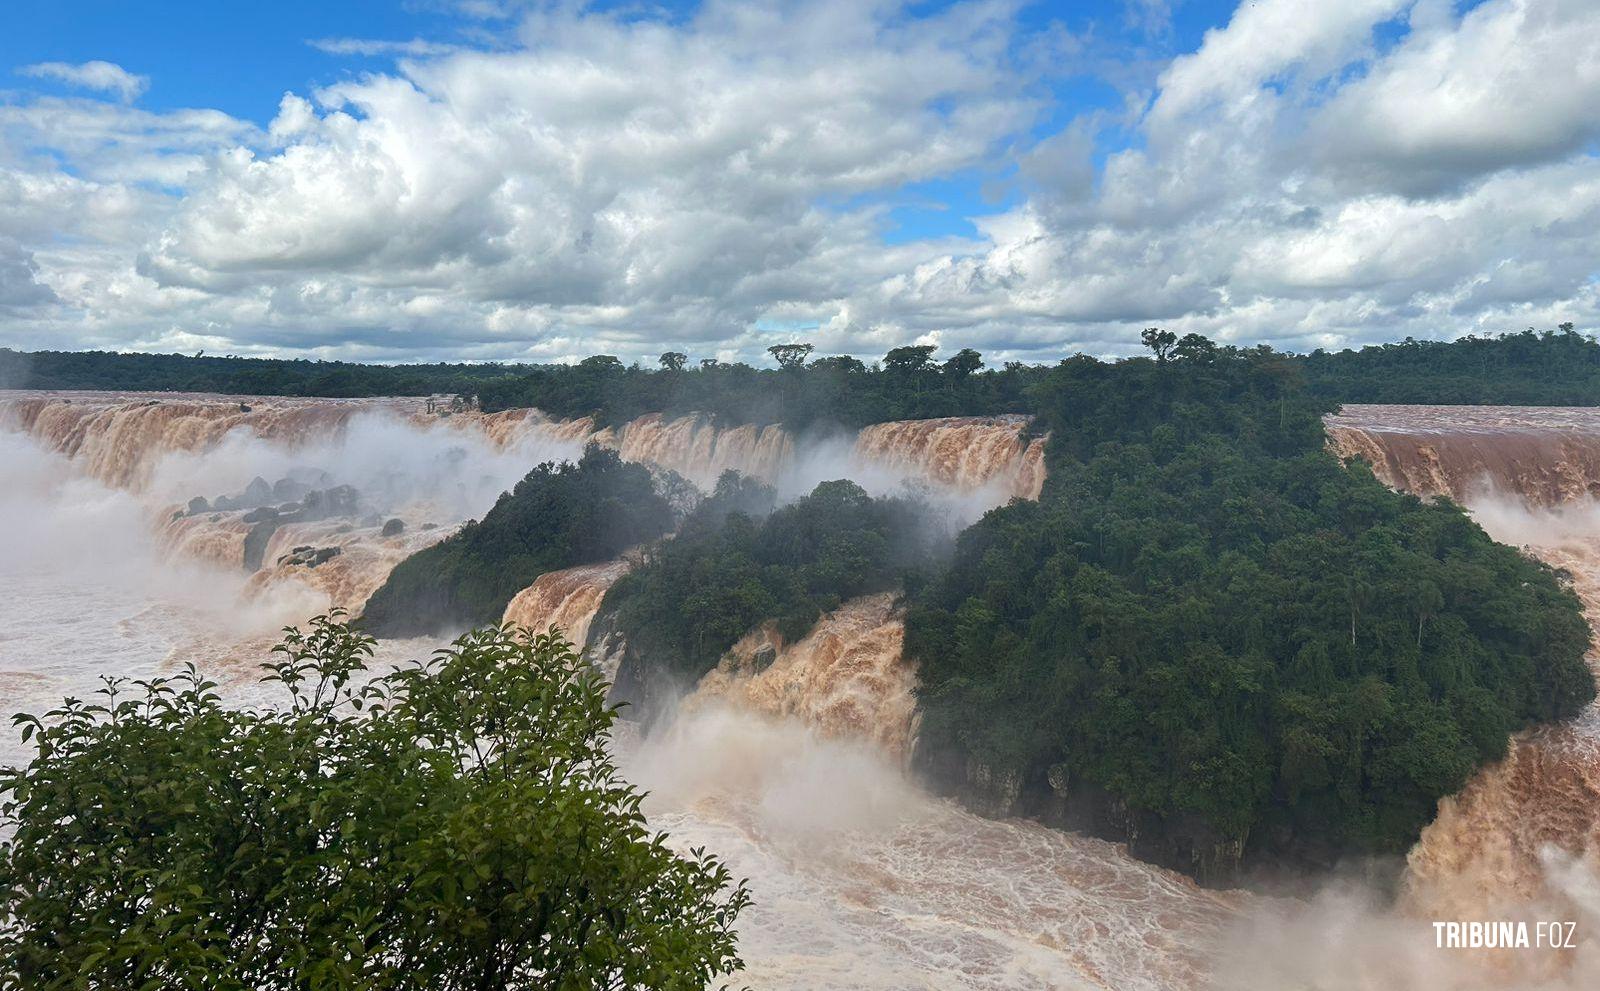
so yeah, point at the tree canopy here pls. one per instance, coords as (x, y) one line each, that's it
(1212, 628)
(1550, 368)
(1530, 368)
(454, 826)
(738, 562)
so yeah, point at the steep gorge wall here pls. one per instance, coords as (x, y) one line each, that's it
(965, 453)
(120, 438)
(568, 599)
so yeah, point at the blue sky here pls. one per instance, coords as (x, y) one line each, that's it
(515, 179)
(242, 57)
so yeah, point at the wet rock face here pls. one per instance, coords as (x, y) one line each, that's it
(289, 490)
(257, 492)
(394, 527)
(255, 543)
(763, 657)
(1052, 796)
(645, 693)
(309, 557)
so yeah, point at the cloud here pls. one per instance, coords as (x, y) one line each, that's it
(1298, 184)
(566, 184)
(19, 273)
(1513, 83)
(416, 47)
(1307, 176)
(105, 77)
(1153, 17)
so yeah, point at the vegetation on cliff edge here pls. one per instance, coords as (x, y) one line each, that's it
(1212, 623)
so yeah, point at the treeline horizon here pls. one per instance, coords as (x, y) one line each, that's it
(1554, 367)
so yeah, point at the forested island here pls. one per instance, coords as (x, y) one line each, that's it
(1211, 638)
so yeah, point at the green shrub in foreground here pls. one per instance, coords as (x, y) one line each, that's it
(454, 825)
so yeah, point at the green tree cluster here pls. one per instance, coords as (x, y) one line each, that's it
(118, 372)
(1552, 368)
(558, 516)
(836, 391)
(738, 562)
(1212, 628)
(1530, 368)
(454, 826)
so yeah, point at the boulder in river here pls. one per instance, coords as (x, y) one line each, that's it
(309, 557)
(257, 493)
(289, 489)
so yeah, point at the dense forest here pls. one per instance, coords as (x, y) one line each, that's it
(559, 516)
(111, 371)
(738, 561)
(1214, 639)
(1552, 368)
(907, 384)
(1560, 368)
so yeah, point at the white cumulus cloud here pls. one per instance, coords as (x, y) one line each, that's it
(106, 77)
(1309, 175)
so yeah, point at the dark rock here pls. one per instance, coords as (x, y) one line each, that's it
(309, 557)
(244, 407)
(429, 526)
(259, 514)
(341, 500)
(1049, 795)
(255, 543)
(257, 492)
(199, 505)
(177, 514)
(394, 527)
(311, 478)
(645, 693)
(289, 490)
